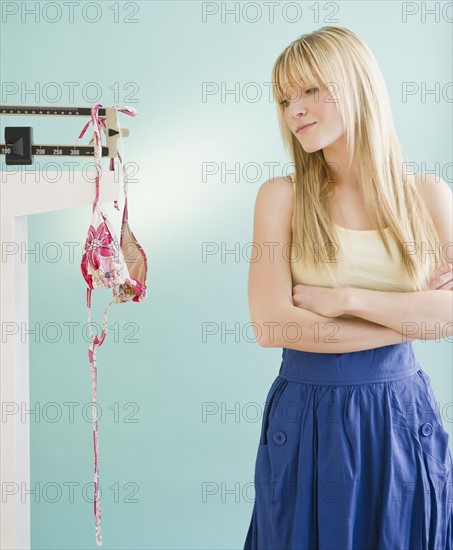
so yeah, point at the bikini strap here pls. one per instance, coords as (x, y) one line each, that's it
(97, 144)
(95, 342)
(95, 339)
(131, 112)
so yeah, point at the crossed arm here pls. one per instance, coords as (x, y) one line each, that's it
(424, 315)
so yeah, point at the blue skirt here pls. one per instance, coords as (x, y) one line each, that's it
(353, 455)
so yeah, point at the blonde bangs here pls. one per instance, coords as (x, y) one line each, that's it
(290, 74)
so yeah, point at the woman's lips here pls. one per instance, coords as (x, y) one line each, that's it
(306, 127)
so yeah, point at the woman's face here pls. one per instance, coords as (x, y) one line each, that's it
(316, 105)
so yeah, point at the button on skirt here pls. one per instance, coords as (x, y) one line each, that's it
(353, 455)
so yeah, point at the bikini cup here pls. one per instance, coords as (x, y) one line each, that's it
(106, 263)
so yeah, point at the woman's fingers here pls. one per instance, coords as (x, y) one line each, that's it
(444, 269)
(446, 281)
(442, 278)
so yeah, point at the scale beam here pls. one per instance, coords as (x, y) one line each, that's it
(19, 148)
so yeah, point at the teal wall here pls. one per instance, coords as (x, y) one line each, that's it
(157, 452)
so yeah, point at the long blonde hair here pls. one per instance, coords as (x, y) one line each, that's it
(335, 56)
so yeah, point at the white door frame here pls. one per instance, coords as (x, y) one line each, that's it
(22, 193)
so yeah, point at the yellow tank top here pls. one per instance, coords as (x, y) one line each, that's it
(362, 258)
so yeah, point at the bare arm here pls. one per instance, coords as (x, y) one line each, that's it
(299, 329)
(423, 315)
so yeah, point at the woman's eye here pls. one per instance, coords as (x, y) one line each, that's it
(308, 91)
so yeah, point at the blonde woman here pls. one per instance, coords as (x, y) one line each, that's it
(353, 267)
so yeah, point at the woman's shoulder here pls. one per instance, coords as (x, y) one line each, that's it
(438, 199)
(278, 185)
(432, 189)
(274, 199)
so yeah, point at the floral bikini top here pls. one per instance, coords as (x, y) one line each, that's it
(107, 263)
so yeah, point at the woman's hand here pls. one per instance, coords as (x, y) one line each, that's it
(442, 279)
(325, 301)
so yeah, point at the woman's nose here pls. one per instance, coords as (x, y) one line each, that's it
(297, 107)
